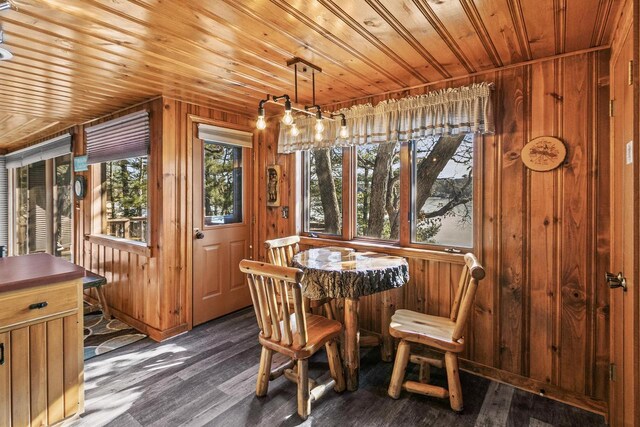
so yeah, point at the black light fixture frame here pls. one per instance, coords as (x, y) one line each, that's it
(294, 106)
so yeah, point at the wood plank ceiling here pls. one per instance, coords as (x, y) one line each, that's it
(75, 60)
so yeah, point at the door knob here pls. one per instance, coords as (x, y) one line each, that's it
(199, 234)
(616, 281)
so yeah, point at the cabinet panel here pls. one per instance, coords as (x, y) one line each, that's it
(55, 369)
(72, 361)
(41, 378)
(5, 379)
(20, 384)
(38, 365)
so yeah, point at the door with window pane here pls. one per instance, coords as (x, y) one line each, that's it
(221, 235)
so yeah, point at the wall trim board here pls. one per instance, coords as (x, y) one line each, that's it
(537, 387)
(155, 334)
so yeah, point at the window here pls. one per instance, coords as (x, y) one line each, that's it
(442, 191)
(124, 195)
(43, 207)
(222, 184)
(437, 197)
(378, 191)
(118, 151)
(323, 213)
(62, 207)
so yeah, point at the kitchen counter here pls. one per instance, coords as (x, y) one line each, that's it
(41, 340)
(27, 271)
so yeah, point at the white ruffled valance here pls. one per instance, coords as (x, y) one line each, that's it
(451, 111)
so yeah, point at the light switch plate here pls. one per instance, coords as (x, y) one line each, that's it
(629, 152)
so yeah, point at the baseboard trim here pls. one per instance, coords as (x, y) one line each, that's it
(155, 334)
(538, 387)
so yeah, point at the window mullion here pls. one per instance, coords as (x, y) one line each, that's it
(348, 193)
(406, 200)
(49, 211)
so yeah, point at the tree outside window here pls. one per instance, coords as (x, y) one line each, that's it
(441, 196)
(125, 198)
(324, 195)
(442, 191)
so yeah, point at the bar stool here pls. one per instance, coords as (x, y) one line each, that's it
(92, 280)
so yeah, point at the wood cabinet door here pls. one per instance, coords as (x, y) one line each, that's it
(222, 235)
(40, 377)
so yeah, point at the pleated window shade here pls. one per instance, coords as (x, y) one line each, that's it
(209, 133)
(4, 210)
(122, 138)
(54, 147)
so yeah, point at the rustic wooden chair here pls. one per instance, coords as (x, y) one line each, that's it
(280, 252)
(297, 335)
(442, 333)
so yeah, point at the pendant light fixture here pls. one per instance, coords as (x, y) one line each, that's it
(291, 107)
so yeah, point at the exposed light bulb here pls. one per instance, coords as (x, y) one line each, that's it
(344, 133)
(261, 123)
(319, 136)
(294, 130)
(319, 126)
(288, 118)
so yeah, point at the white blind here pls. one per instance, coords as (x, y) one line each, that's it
(38, 218)
(54, 147)
(222, 135)
(4, 211)
(118, 139)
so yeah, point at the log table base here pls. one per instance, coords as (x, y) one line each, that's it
(343, 274)
(388, 308)
(351, 343)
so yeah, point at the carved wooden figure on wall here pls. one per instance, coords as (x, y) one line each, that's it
(273, 185)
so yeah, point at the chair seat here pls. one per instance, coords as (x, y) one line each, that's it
(434, 331)
(93, 280)
(320, 330)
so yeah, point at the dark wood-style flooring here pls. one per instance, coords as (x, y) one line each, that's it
(207, 378)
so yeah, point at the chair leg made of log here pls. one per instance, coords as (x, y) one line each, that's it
(264, 372)
(453, 378)
(399, 368)
(329, 311)
(304, 400)
(335, 365)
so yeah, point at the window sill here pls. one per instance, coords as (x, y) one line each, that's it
(130, 246)
(426, 254)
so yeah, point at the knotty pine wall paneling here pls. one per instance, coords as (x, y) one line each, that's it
(540, 318)
(179, 127)
(148, 287)
(269, 221)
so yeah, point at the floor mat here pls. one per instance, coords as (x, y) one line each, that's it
(102, 336)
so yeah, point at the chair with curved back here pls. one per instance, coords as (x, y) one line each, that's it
(442, 333)
(297, 335)
(280, 252)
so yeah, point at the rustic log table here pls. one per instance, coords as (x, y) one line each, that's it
(342, 273)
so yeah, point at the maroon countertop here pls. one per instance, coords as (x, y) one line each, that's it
(26, 271)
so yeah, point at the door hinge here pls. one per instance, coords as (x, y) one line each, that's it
(611, 108)
(253, 219)
(630, 72)
(612, 371)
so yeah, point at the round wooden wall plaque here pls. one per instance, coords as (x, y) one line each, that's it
(544, 153)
